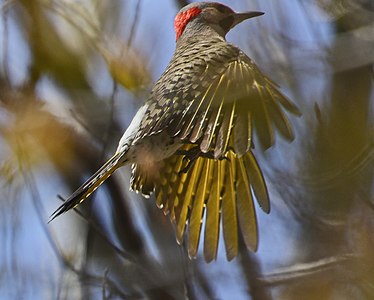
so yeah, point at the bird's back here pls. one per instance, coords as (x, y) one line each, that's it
(208, 99)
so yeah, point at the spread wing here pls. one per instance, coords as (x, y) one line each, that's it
(218, 97)
(213, 103)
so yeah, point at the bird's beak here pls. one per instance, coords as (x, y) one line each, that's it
(240, 17)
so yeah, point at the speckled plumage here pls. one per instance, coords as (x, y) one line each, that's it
(190, 142)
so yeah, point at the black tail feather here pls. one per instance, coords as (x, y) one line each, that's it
(90, 185)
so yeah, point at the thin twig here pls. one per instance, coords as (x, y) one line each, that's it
(134, 24)
(298, 271)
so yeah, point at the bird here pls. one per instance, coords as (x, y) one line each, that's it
(192, 141)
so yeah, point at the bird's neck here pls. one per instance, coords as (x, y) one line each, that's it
(198, 31)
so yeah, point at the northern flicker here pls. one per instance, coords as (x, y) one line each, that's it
(191, 142)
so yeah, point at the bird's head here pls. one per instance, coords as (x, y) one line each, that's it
(196, 16)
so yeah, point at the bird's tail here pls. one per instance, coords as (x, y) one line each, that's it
(90, 185)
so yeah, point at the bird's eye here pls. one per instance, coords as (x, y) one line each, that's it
(226, 23)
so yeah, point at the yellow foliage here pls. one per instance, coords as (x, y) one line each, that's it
(128, 69)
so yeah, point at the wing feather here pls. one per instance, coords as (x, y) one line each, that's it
(279, 118)
(175, 182)
(224, 132)
(198, 109)
(246, 209)
(283, 99)
(257, 106)
(242, 134)
(257, 182)
(210, 129)
(180, 199)
(195, 219)
(229, 216)
(199, 127)
(190, 187)
(213, 214)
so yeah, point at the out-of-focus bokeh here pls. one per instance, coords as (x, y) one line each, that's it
(73, 73)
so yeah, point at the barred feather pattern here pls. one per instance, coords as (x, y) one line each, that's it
(215, 102)
(192, 98)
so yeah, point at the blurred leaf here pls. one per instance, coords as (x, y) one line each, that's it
(32, 135)
(128, 69)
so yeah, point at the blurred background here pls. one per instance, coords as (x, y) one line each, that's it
(72, 75)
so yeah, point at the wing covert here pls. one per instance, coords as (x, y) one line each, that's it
(214, 101)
